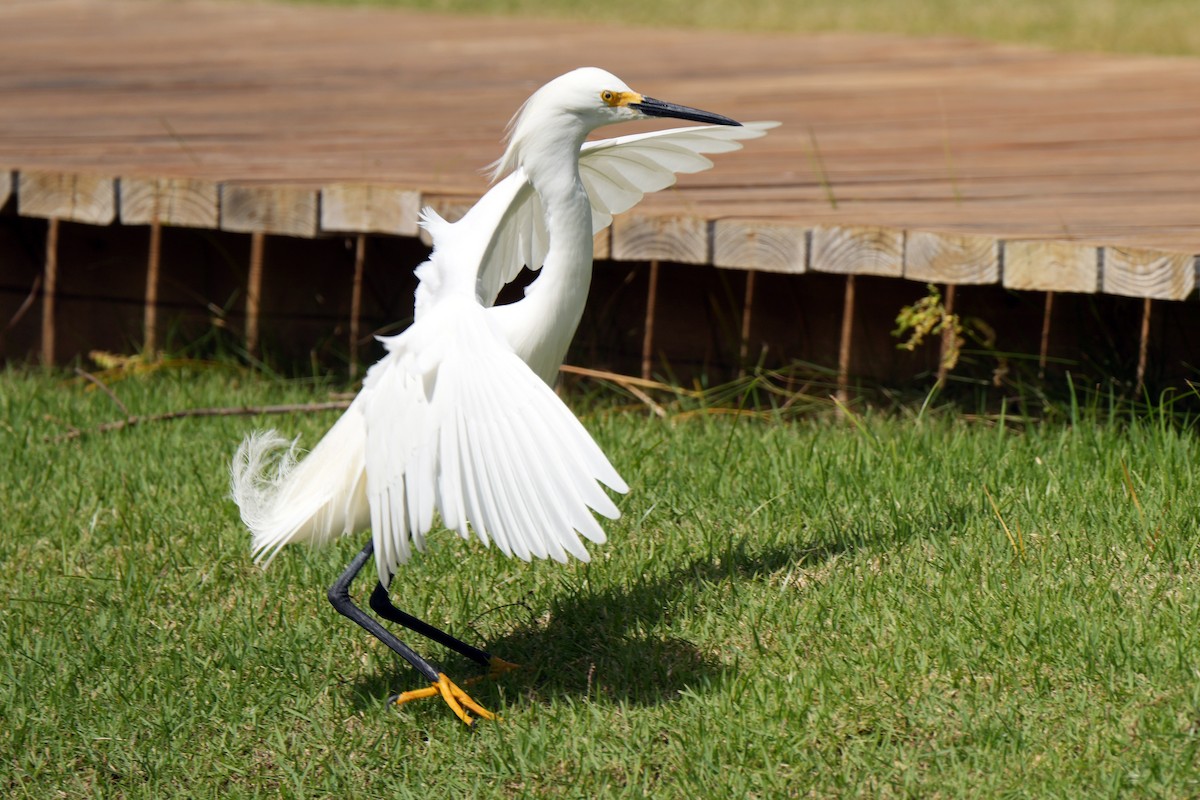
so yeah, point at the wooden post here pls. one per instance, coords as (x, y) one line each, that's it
(747, 311)
(360, 256)
(844, 347)
(648, 336)
(948, 334)
(150, 319)
(49, 292)
(254, 290)
(1143, 344)
(1045, 350)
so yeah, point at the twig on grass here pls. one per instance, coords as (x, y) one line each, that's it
(240, 411)
(626, 382)
(104, 387)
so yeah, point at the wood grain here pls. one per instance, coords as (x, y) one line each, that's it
(1135, 272)
(75, 197)
(639, 237)
(757, 245)
(50, 292)
(951, 258)
(254, 277)
(182, 202)
(858, 250)
(153, 275)
(1051, 266)
(602, 244)
(281, 210)
(369, 208)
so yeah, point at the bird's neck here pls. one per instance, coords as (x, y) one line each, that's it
(542, 329)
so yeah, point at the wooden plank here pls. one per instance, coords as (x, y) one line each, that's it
(183, 202)
(91, 199)
(760, 245)
(1051, 266)
(970, 139)
(1136, 272)
(1143, 345)
(951, 258)
(282, 210)
(50, 292)
(369, 208)
(679, 239)
(153, 274)
(858, 250)
(967, 138)
(6, 184)
(258, 241)
(648, 324)
(949, 335)
(1047, 320)
(360, 260)
(747, 322)
(846, 346)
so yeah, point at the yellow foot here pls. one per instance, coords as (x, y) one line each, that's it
(498, 666)
(455, 697)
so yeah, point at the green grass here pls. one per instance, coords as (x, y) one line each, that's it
(1130, 26)
(804, 608)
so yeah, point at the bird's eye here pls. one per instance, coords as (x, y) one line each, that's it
(609, 97)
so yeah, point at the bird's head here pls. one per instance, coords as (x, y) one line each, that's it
(600, 98)
(582, 100)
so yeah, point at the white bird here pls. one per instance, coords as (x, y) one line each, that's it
(458, 417)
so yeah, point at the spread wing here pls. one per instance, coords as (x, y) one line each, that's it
(617, 173)
(455, 422)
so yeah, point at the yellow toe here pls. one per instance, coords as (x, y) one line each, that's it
(456, 698)
(415, 694)
(498, 666)
(453, 696)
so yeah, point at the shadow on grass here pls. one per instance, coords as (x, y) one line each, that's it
(602, 643)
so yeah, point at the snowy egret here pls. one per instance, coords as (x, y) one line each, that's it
(458, 417)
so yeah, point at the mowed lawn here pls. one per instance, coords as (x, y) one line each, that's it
(892, 605)
(1130, 26)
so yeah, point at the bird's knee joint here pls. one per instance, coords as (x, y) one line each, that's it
(338, 596)
(379, 598)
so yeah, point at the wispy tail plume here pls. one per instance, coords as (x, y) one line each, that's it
(285, 499)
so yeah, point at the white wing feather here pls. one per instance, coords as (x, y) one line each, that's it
(617, 173)
(470, 431)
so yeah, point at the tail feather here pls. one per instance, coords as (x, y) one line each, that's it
(284, 498)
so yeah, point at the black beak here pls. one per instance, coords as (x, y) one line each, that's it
(657, 108)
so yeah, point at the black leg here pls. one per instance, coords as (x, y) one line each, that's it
(381, 604)
(339, 596)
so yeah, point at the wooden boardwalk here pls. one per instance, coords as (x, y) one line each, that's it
(296, 120)
(944, 160)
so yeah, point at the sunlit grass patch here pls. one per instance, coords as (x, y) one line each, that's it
(788, 607)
